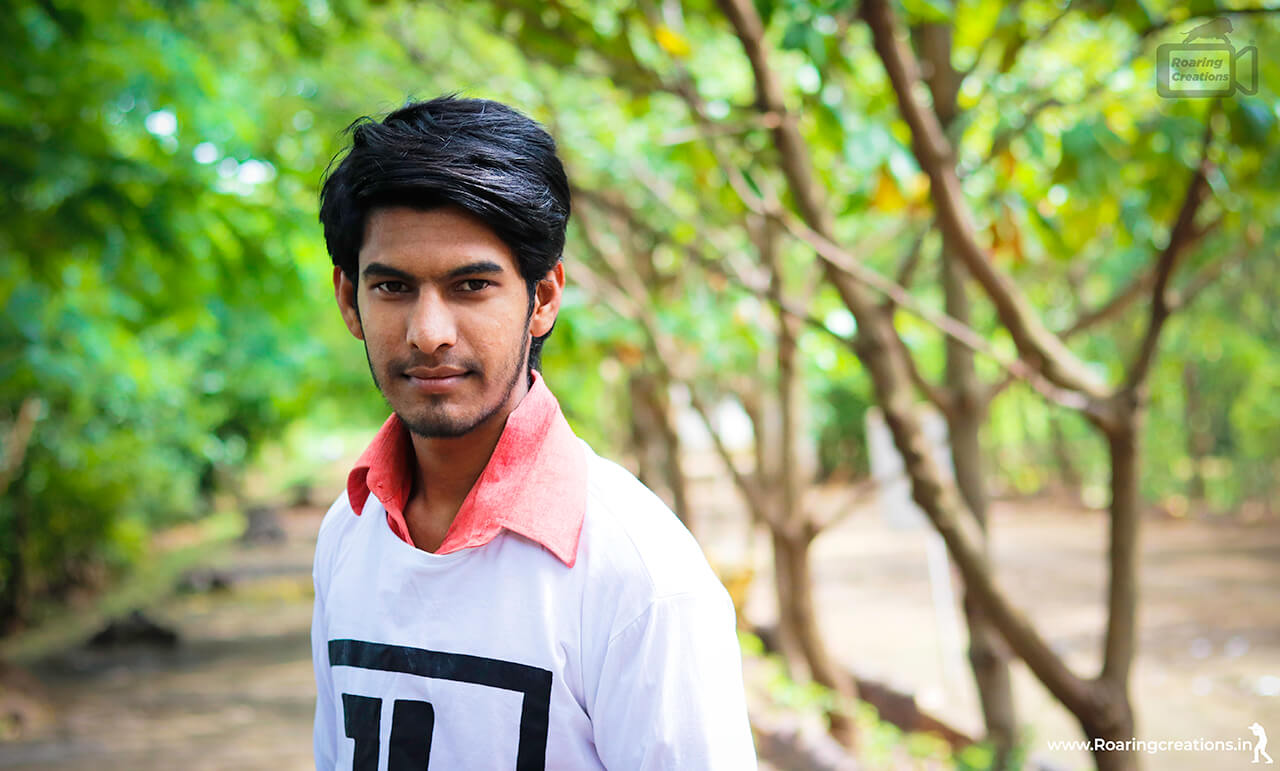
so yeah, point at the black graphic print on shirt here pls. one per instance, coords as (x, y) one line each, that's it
(412, 721)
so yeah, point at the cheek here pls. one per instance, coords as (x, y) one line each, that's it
(497, 323)
(382, 333)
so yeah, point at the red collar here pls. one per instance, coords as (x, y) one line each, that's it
(534, 483)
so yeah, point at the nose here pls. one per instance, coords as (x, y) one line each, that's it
(431, 326)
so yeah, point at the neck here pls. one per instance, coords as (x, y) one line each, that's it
(446, 470)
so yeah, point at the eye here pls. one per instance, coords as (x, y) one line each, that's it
(474, 285)
(391, 287)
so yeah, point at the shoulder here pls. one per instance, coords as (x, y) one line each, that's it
(634, 543)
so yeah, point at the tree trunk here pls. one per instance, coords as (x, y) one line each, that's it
(658, 443)
(672, 465)
(784, 577)
(643, 434)
(1110, 720)
(796, 612)
(988, 654)
(1107, 714)
(791, 527)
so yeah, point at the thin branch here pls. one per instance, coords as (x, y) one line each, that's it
(1137, 288)
(938, 396)
(686, 134)
(747, 486)
(848, 265)
(857, 492)
(895, 294)
(995, 389)
(1112, 308)
(619, 296)
(1205, 278)
(906, 269)
(1181, 235)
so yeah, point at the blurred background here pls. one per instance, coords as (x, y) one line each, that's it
(811, 238)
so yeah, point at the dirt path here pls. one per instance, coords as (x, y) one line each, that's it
(1209, 660)
(238, 692)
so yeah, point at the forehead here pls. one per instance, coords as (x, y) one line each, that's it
(424, 242)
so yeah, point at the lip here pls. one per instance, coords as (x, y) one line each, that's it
(435, 380)
(434, 373)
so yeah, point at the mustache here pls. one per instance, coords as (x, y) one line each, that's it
(400, 366)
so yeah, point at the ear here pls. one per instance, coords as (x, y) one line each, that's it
(345, 293)
(547, 296)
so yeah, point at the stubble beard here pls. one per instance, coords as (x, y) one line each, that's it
(436, 422)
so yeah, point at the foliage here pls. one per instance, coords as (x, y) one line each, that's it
(152, 290)
(164, 282)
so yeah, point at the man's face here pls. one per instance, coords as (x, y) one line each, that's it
(445, 317)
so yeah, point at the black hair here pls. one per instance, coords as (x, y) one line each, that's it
(479, 155)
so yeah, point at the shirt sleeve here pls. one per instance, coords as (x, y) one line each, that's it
(325, 737)
(671, 692)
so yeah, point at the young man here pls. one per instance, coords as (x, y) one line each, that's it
(489, 592)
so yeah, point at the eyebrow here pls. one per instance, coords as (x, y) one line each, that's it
(382, 270)
(385, 271)
(480, 266)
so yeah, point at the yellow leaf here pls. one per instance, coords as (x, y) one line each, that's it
(672, 42)
(887, 197)
(1008, 164)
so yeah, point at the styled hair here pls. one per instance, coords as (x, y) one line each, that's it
(479, 155)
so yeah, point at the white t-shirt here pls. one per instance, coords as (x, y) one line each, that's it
(503, 657)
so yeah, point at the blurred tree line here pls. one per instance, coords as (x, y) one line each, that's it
(772, 199)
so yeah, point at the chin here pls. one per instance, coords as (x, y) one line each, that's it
(436, 423)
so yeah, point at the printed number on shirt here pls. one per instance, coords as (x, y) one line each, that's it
(413, 721)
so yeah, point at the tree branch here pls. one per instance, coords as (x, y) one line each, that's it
(836, 514)
(906, 269)
(995, 389)
(895, 295)
(619, 296)
(1181, 236)
(18, 440)
(746, 485)
(1203, 279)
(1138, 287)
(1039, 347)
(939, 397)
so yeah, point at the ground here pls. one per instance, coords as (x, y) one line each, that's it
(237, 693)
